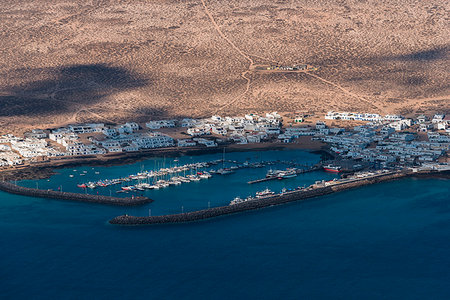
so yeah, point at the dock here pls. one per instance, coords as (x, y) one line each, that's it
(293, 196)
(298, 171)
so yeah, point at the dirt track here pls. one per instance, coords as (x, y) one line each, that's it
(63, 61)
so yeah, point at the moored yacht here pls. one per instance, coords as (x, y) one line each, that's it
(289, 173)
(264, 193)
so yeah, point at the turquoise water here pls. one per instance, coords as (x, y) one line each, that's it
(385, 241)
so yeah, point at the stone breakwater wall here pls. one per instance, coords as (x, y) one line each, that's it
(251, 205)
(19, 190)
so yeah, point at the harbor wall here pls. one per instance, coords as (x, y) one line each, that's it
(49, 194)
(251, 205)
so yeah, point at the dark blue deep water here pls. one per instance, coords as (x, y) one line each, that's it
(386, 241)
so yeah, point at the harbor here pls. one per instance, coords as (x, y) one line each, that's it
(179, 184)
(269, 198)
(159, 178)
(187, 196)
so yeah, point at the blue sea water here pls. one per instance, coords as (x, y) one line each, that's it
(386, 241)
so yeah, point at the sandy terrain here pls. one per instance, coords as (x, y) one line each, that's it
(72, 61)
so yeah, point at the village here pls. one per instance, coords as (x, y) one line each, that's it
(390, 141)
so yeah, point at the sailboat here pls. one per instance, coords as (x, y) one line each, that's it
(223, 170)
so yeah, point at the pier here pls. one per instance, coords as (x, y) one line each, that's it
(50, 194)
(298, 171)
(259, 203)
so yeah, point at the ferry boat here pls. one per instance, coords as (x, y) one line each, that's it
(287, 174)
(264, 193)
(332, 168)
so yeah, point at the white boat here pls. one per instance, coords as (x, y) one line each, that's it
(205, 175)
(225, 171)
(183, 179)
(290, 173)
(264, 193)
(194, 178)
(237, 200)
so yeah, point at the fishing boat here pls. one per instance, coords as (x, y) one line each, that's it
(332, 168)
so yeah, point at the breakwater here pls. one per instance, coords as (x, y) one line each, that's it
(19, 190)
(256, 204)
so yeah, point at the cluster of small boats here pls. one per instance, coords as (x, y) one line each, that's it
(263, 194)
(161, 178)
(161, 183)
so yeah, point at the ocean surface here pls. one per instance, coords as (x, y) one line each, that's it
(386, 241)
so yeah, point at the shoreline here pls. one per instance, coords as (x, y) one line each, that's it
(276, 200)
(45, 170)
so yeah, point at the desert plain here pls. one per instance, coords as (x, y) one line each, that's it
(105, 61)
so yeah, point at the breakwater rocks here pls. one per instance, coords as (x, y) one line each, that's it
(255, 204)
(19, 190)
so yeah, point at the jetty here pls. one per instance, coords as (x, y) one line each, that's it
(316, 190)
(297, 171)
(59, 195)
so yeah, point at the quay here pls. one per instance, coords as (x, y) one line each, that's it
(267, 201)
(298, 171)
(49, 194)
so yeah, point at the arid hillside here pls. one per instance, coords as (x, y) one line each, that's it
(72, 61)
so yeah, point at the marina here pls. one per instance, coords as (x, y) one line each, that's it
(268, 198)
(194, 172)
(189, 195)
